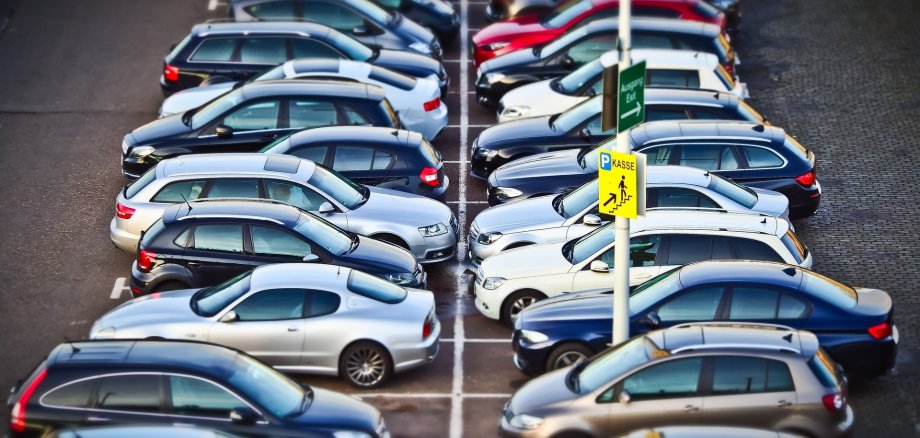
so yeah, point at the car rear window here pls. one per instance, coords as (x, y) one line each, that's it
(152, 232)
(837, 293)
(796, 147)
(178, 48)
(732, 190)
(825, 369)
(375, 288)
(215, 50)
(748, 113)
(725, 77)
(799, 251)
(705, 9)
(138, 185)
(392, 78)
(430, 153)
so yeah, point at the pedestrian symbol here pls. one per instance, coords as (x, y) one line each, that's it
(617, 184)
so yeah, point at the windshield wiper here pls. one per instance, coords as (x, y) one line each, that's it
(354, 243)
(558, 206)
(552, 121)
(568, 250)
(187, 117)
(536, 51)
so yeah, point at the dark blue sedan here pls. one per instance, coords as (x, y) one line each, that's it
(854, 325)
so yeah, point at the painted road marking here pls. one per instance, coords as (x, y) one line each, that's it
(213, 4)
(121, 285)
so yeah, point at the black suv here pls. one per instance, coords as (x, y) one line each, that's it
(203, 243)
(393, 159)
(192, 383)
(238, 51)
(252, 116)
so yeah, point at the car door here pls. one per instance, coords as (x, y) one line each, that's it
(194, 401)
(251, 125)
(323, 341)
(643, 256)
(268, 325)
(214, 252)
(749, 391)
(275, 244)
(366, 165)
(128, 398)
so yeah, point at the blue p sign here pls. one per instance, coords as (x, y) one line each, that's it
(606, 161)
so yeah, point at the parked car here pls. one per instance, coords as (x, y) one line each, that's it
(317, 319)
(158, 383)
(579, 46)
(751, 154)
(204, 243)
(395, 160)
(566, 216)
(732, 11)
(854, 325)
(362, 20)
(665, 68)
(709, 432)
(239, 51)
(429, 233)
(497, 10)
(417, 102)
(512, 280)
(252, 116)
(533, 29)
(139, 432)
(721, 374)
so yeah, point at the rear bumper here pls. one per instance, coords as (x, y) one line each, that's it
(413, 356)
(868, 358)
(122, 239)
(804, 202)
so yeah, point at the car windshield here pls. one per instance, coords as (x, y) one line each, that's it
(582, 76)
(587, 157)
(561, 43)
(270, 389)
(579, 250)
(654, 290)
(217, 107)
(613, 363)
(345, 191)
(326, 235)
(565, 13)
(375, 288)
(732, 190)
(577, 115)
(271, 75)
(209, 301)
(352, 48)
(577, 200)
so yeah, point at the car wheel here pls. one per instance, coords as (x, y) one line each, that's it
(168, 286)
(365, 365)
(517, 302)
(566, 355)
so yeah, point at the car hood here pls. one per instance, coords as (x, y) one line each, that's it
(770, 202)
(529, 214)
(540, 393)
(154, 309)
(157, 129)
(334, 410)
(193, 98)
(569, 307)
(516, 129)
(509, 60)
(529, 261)
(390, 205)
(544, 165)
(383, 256)
(411, 64)
(526, 26)
(540, 98)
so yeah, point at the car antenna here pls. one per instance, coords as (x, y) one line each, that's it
(186, 202)
(71, 345)
(764, 221)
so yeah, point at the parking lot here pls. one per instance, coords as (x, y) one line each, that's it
(840, 75)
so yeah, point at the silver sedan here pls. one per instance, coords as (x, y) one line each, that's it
(319, 319)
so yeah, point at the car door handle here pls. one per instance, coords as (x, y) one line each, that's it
(268, 136)
(783, 404)
(691, 408)
(292, 329)
(96, 419)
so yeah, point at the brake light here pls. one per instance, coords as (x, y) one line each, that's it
(730, 69)
(833, 402)
(171, 73)
(145, 260)
(18, 415)
(427, 328)
(123, 212)
(807, 179)
(433, 104)
(880, 331)
(429, 176)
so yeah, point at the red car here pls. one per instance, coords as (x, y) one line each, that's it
(535, 29)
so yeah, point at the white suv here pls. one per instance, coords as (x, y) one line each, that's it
(508, 282)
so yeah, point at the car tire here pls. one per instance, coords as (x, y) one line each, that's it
(572, 434)
(566, 355)
(169, 285)
(391, 239)
(518, 301)
(365, 365)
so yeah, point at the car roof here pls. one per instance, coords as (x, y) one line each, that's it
(312, 87)
(677, 175)
(363, 134)
(732, 336)
(660, 131)
(254, 27)
(218, 208)
(299, 275)
(779, 274)
(285, 166)
(665, 59)
(709, 220)
(197, 357)
(314, 65)
(690, 96)
(669, 25)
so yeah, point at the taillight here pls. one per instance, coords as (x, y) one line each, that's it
(145, 260)
(807, 179)
(427, 328)
(433, 104)
(429, 176)
(730, 69)
(123, 212)
(171, 73)
(880, 331)
(833, 402)
(18, 415)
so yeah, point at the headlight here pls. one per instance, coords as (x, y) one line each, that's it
(516, 111)
(124, 147)
(350, 434)
(494, 77)
(526, 422)
(421, 47)
(433, 230)
(493, 283)
(106, 333)
(142, 151)
(488, 154)
(399, 277)
(489, 238)
(496, 46)
(507, 193)
(532, 337)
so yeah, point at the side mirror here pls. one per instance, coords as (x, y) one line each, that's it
(567, 61)
(359, 30)
(585, 134)
(243, 416)
(326, 208)
(229, 317)
(310, 258)
(599, 266)
(224, 131)
(651, 320)
(592, 220)
(624, 397)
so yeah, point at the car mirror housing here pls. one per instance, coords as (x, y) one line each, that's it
(310, 258)
(229, 317)
(624, 397)
(359, 30)
(591, 219)
(651, 320)
(243, 416)
(224, 131)
(567, 61)
(585, 134)
(599, 266)
(326, 208)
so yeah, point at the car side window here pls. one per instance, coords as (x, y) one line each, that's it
(199, 398)
(790, 307)
(311, 114)
(263, 50)
(759, 158)
(215, 50)
(382, 160)
(778, 376)
(307, 48)
(750, 249)
(272, 305)
(653, 115)
(74, 395)
(695, 305)
(591, 48)
(672, 78)
(256, 116)
(646, 41)
(273, 242)
(643, 250)
(594, 126)
(653, 12)
(233, 188)
(180, 191)
(299, 196)
(658, 156)
(333, 15)
(708, 157)
(688, 248)
(353, 158)
(323, 303)
(218, 237)
(274, 9)
(682, 197)
(130, 392)
(753, 302)
(705, 114)
(739, 375)
(354, 117)
(674, 378)
(315, 154)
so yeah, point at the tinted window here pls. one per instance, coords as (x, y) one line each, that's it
(750, 249)
(348, 158)
(345, 191)
(721, 250)
(760, 157)
(732, 190)
(655, 12)
(333, 15)
(323, 303)
(315, 154)
(294, 194)
(199, 398)
(677, 197)
(739, 375)
(354, 117)
(272, 305)
(612, 363)
(712, 115)
(674, 378)
(152, 232)
(565, 13)
(223, 237)
(646, 41)
(324, 234)
(178, 49)
(215, 49)
(708, 157)
(825, 369)
(778, 376)
(140, 183)
(74, 395)
(725, 77)
(270, 389)
(790, 307)
(310, 114)
(658, 156)
(263, 50)
(180, 191)
(833, 291)
(375, 288)
(593, 47)
(695, 305)
(752, 302)
(269, 241)
(431, 155)
(276, 9)
(211, 300)
(234, 188)
(305, 48)
(673, 78)
(643, 250)
(392, 78)
(254, 117)
(182, 239)
(688, 248)
(137, 393)
(652, 115)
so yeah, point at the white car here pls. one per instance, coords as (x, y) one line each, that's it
(664, 68)
(558, 218)
(508, 282)
(417, 102)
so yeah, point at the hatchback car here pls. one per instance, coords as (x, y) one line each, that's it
(854, 325)
(558, 218)
(395, 160)
(428, 233)
(538, 28)
(204, 243)
(512, 280)
(239, 51)
(507, 9)
(362, 20)
(317, 319)
(748, 153)
(499, 75)
(719, 374)
(122, 383)
(252, 116)
(417, 102)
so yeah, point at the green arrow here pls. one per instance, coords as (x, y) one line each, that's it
(632, 111)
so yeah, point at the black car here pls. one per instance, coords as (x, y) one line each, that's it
(580, 126)
(437, 15)
(751, 154)
(203, 243)
(252, 116)
(498, 75)
(854, 325)
(238, 51)
(393, 159)
(164, 383)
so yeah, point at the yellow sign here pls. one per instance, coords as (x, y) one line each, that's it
(617, 184)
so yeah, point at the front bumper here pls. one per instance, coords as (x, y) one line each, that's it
(122, 239)
(488, 308)
(530, 361)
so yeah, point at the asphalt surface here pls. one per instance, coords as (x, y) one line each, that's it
(839, 74)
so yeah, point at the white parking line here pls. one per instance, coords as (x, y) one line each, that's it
(213, 4)
(461, 125)
(468, 202)
(480, 341)
(119, 287)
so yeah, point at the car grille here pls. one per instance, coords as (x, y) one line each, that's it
(454, 226)
(436, 49)
(479, 275)
(474, 232)
(506, 411)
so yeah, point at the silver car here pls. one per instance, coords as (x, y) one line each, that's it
(556, 218)
(427, 228)
(319, 319)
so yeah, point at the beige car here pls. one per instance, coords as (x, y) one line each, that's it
(723, 374)
(708, 432)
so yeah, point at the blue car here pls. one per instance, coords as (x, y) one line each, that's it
(854, 325)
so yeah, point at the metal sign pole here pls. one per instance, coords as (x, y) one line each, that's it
(621, 255)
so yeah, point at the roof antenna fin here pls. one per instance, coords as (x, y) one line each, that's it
(71, 345)
(186, 202)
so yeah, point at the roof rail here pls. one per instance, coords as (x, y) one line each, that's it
(737, 324)
(736, 345)
(230, 216)
(714, 210)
